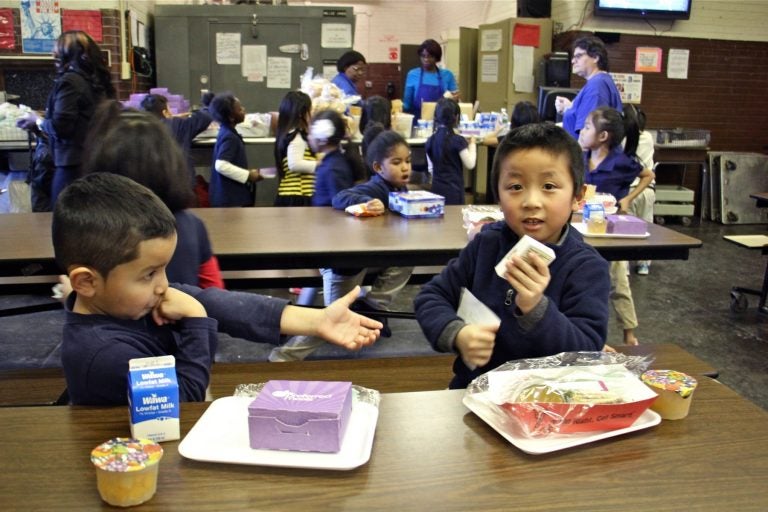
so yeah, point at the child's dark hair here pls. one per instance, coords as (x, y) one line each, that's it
(222, 108)
(381, 143)
(376, 109)
(139, 146)
(292, 115)
(339, 133)
(447, 114)
(617, 126)
(154, 104)
(524, 113)
(100, 220)
(544, 136)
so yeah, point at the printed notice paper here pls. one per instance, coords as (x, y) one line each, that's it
(254, 66)
(278, 72)
(677, 64)
(228, 48)
(490, 40)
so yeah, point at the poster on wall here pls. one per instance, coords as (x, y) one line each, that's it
(87, 21)
(40, 25)
(630, 86)
(648, 60)
(7, 38)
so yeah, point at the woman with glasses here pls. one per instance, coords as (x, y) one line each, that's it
(428, 82)
(589, 61)
(352, 67)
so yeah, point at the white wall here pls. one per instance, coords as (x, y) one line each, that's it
(735, 20)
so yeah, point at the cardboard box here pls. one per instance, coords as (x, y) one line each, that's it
(626, 225)
(545, 417)
(307, 416)
(153, 398)
(417, 204)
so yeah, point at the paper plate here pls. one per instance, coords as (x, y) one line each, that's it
(536, 446)
(582, 228)
(221, 435)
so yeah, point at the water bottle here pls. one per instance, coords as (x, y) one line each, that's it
(504, 121)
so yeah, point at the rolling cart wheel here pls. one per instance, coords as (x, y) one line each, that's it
(659, 220)
(739, 303)
(686, 221)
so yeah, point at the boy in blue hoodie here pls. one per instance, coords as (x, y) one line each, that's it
(538, 176)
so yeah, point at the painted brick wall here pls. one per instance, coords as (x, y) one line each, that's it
(724, 92)
(29, 71)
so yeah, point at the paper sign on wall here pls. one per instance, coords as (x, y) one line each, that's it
(87, 21)
(254, 66)
(525, 34)
(648, 60)
(336, 35)
(677, 64)
(278, 72)
(630, 86)
(489, 68)
(522, 76)
(490, 40)
(228, 48)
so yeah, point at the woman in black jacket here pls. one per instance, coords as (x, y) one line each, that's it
(83, 81)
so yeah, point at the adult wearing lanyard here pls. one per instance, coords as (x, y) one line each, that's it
(351, 67)
(589, 61)
(428, 82)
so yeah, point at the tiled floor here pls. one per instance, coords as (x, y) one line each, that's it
(681, 302)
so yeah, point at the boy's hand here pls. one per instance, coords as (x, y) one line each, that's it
(375, 206)
(342, 326)
(529, 279)
(176, 305)
(624, 205)
(475, 344)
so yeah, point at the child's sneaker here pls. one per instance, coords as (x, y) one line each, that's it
(643, 269)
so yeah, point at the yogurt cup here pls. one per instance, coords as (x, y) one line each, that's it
(675, 390)
(126, 470)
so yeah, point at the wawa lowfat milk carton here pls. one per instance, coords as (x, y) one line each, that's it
(153, 398)
(307, 416)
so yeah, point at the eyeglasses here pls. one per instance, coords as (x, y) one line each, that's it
(360, 70)
(427, 56)
(577, 56)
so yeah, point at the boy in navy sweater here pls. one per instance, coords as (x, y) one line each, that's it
(115, 238)
(538, 177)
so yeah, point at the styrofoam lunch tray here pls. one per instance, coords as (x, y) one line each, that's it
(582, 228)
(221, 435)
(553, 442)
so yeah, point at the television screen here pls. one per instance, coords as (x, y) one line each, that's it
(659, 9)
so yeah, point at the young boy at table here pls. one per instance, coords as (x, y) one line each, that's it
(115, 238)
(537, 176)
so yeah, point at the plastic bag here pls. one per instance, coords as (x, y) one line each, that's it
(474, 217)
(566, 393)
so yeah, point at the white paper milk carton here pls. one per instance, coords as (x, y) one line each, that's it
(153, 398)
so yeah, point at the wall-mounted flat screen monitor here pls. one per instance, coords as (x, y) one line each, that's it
(651, 9)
